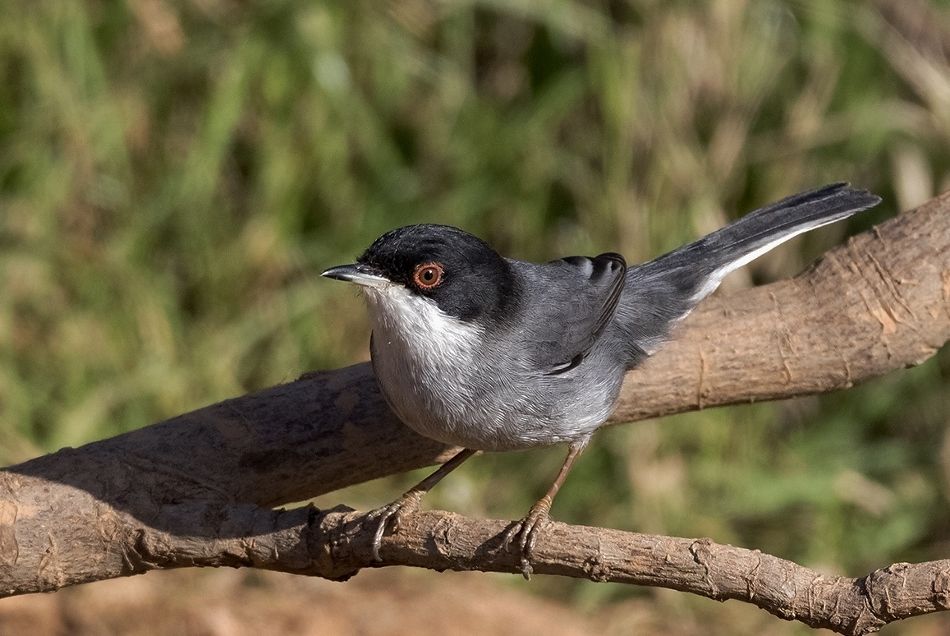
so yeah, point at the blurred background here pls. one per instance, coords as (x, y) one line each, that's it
(174, 175)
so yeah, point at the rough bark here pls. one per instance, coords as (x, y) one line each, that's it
(189, 491)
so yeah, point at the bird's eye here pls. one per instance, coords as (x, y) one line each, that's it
(427, 275)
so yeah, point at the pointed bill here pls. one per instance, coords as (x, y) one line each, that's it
(359, 274)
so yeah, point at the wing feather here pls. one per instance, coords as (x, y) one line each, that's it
(590, 288)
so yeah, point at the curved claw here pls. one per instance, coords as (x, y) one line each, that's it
(526, 531)
(408, 503)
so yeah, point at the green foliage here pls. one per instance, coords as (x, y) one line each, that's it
(174, 175)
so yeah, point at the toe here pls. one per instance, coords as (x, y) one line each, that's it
(388, 516)
(513, 531)
(381, 523)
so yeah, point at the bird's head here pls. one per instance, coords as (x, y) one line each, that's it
(415, 269)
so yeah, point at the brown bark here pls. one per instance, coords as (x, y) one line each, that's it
(187, 491)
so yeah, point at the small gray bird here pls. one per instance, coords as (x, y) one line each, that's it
(494, 354)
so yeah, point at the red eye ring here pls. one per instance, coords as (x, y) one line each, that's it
(428, 275)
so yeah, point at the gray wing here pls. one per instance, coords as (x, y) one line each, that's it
(577, 298)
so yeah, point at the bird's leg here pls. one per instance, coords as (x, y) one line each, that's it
(409, 501)
(526, 530)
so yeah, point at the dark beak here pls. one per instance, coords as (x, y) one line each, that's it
(359, 274)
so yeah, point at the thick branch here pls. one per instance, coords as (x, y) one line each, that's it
(336, 544)
(878, 304)
(852, 606)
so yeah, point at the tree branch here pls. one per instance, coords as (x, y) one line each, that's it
(336, 544)
(447, 541)
(186, 492)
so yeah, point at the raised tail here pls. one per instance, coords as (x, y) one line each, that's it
(665, 289)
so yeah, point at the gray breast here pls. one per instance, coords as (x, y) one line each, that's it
(450, 381)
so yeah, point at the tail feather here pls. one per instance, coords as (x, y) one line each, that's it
(735, 245)
(665, 289)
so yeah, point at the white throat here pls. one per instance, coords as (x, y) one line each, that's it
(416, 324)
(421, 356)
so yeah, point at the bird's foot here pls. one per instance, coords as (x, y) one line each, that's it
(526, 533)
(388, 516)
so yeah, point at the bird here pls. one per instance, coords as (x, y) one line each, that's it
(489, 353)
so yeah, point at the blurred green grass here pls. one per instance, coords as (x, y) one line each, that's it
(174, 175)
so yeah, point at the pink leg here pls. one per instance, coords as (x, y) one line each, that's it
(526, 530)
(409, 501)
